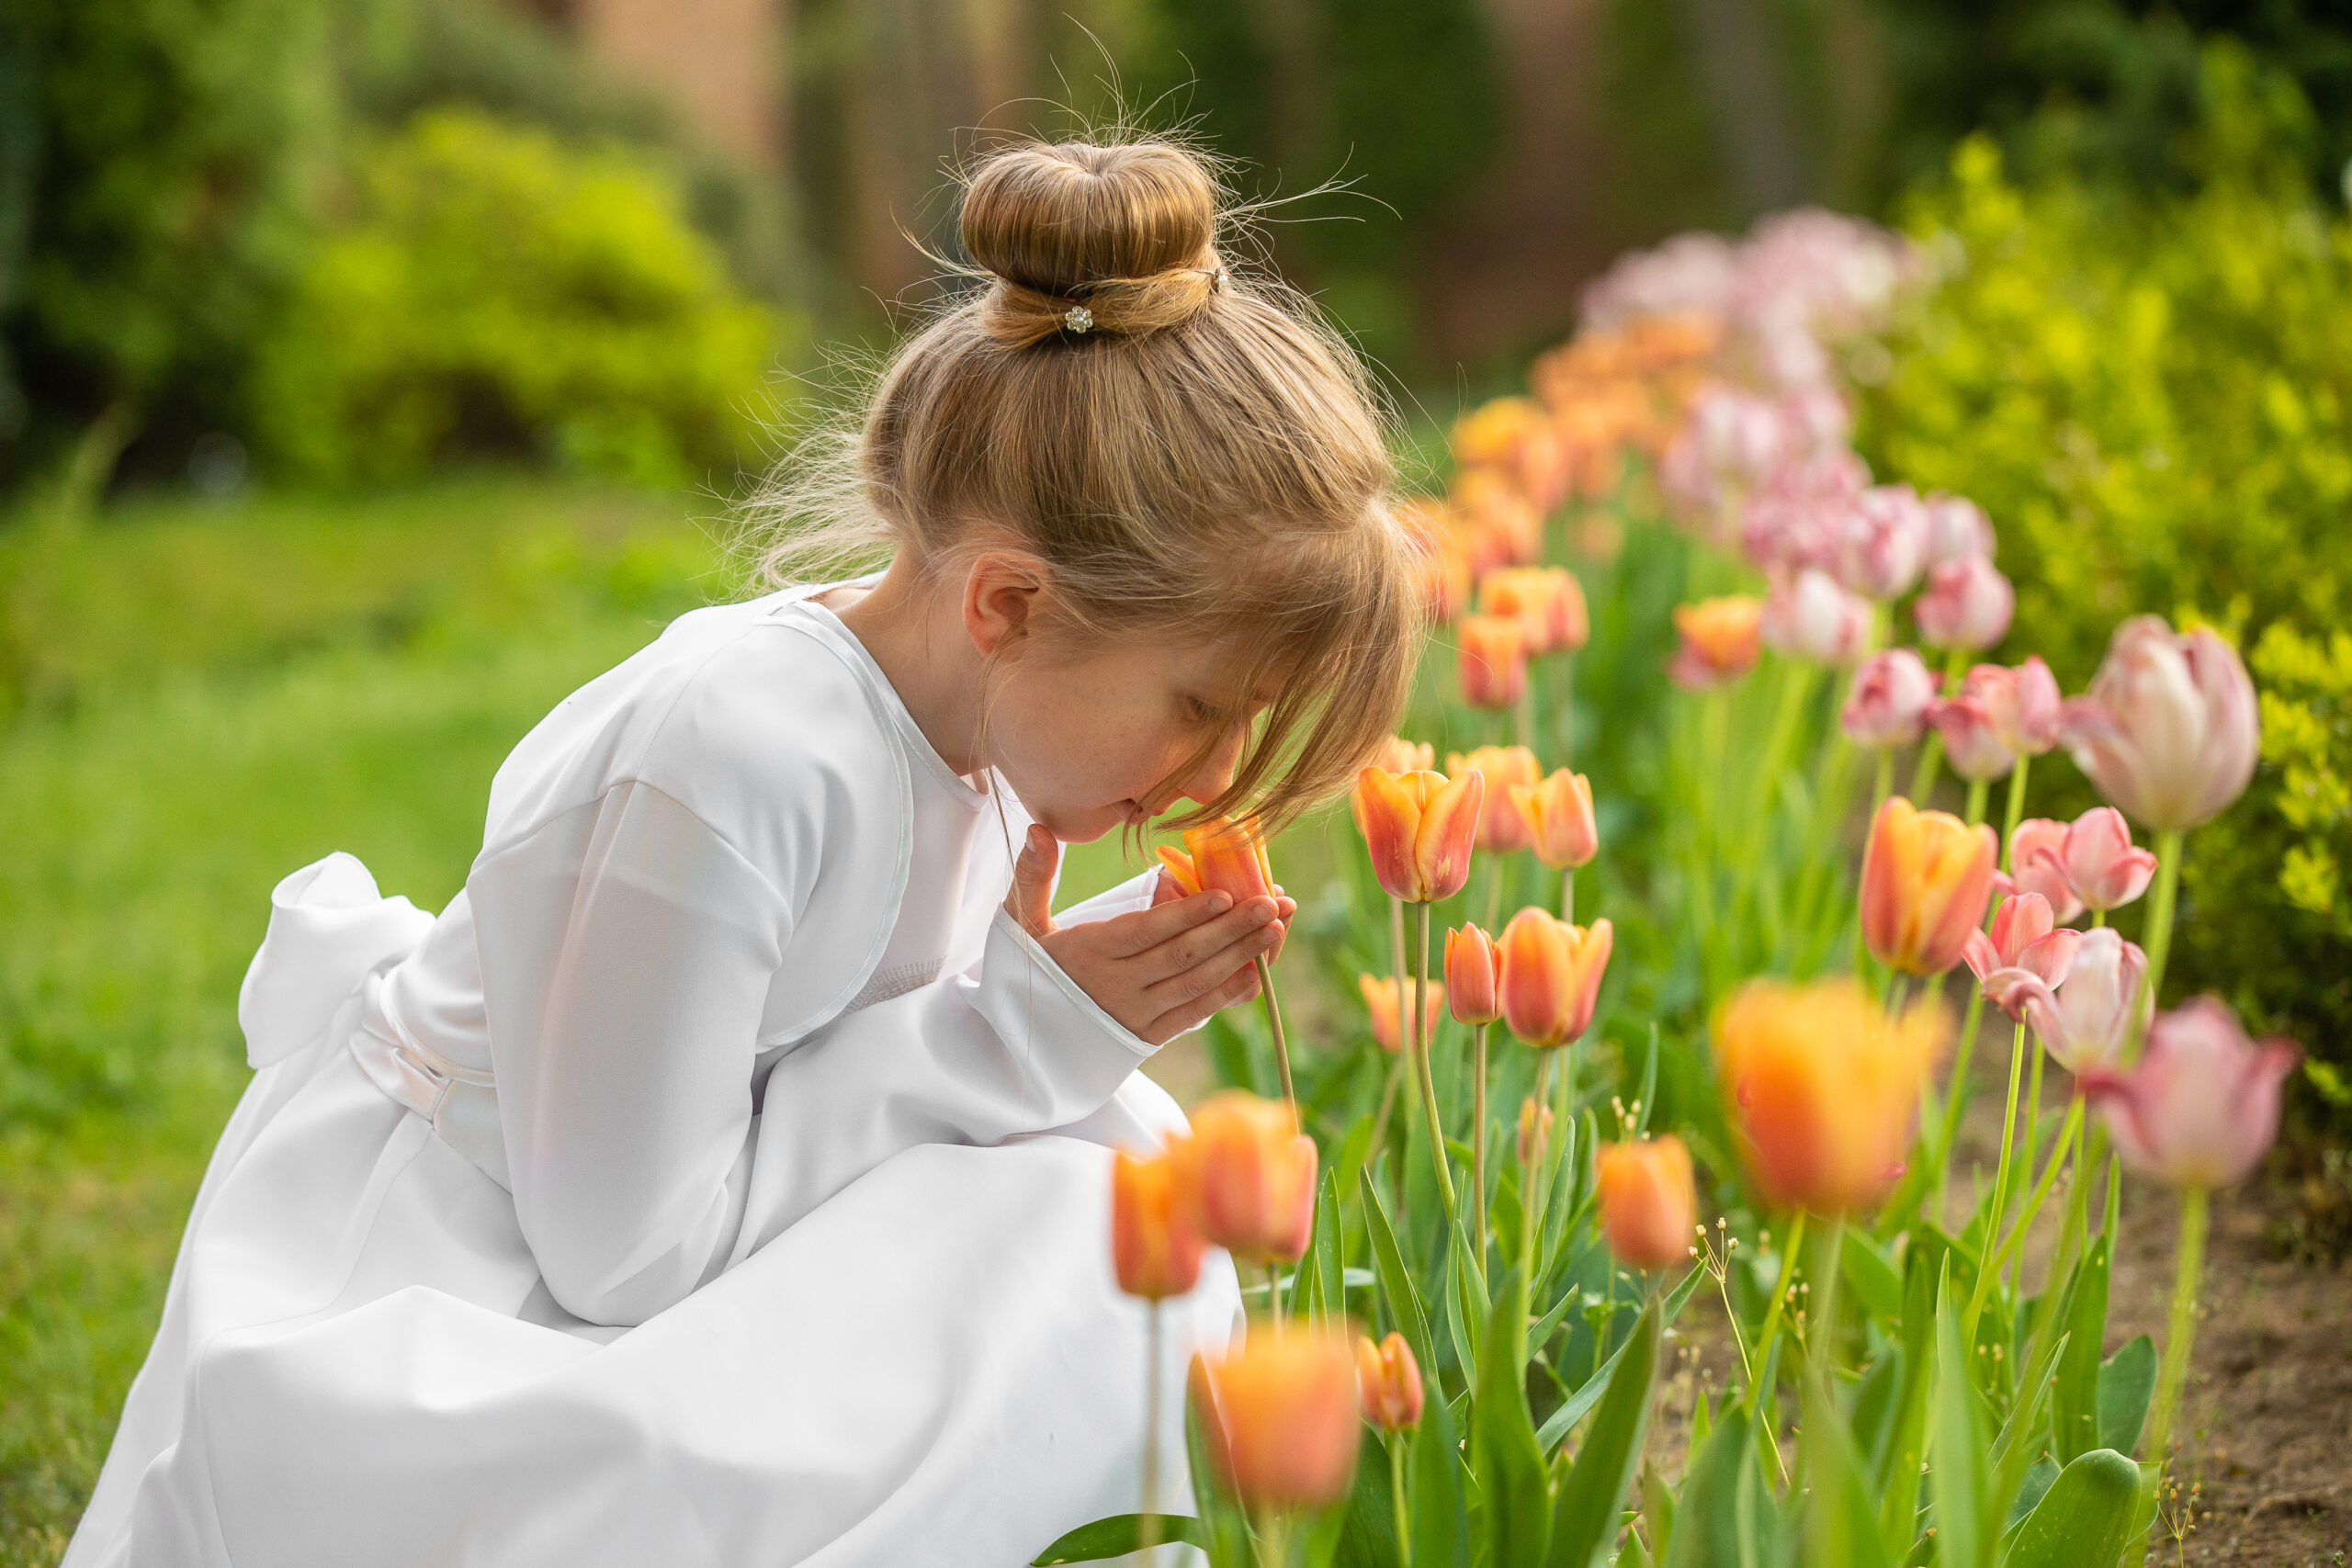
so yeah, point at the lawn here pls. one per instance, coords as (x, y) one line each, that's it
(196, 699)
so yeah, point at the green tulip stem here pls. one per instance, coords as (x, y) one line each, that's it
(1420, 1046)
(1931, 750)
(1958, 1091)
(2162, 902)
(2001, 1171)
(1977, 790)
(1998, 1259)
(1882, 785)
(2033, 1122)
(1534, 1162)
(2016, 812)
(1823, 1335)
(1396, 1446)
(1479, 1137)
(1780, 1287)
(2181, 1332)
(1275, 1023)
(1568, 895)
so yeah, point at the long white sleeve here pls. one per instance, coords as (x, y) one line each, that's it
(627, 954)
(1014, 1047)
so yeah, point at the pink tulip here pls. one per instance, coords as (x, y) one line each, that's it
(2100, 863)
(1808, 616)
(2024, 936)
(2023, 704)
(1889, 702)
(1971, 739)
(1816, 419)
(1956, 526)
(1739, 436)
(2037, 864)
(2168, 730)
(2081, 1024)
(2202, 1105)
(1882, 542)
(1967, 604)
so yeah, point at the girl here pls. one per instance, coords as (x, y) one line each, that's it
(720, 1177)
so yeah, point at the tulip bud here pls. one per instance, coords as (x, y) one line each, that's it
(1230, 857)
(1551, 976)
(1719, 641)
(1473, 975)
(2168, 729)
(1391, 1382)
(1647, 1202)
(2083, 1022)
(1547, 602)
(1882, 542)
(1956, 526)
(1820, 1086)
(2037, 865)
(1808, 616)
(2202, 1105)
(2023, 936)
(1561, 829)
(1420, 828)
(1888, 705)
(1503, 826)
(1971, 741)
(1384, 1000)
(1399, 755)
(2100, 863)
(1967, 604)
(1925, 876)
(1280, 1418)
(1494, 659)
(1534, 1130)
(1155, 1247)
(1251, 1173)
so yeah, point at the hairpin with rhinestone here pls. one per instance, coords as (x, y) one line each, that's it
(1078, 318)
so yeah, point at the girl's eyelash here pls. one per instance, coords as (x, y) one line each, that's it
(1198, 711)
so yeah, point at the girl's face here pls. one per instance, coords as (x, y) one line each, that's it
(1097, 740)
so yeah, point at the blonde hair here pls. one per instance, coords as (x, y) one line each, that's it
(1188, 452)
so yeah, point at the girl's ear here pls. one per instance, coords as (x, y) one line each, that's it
(1001, 596)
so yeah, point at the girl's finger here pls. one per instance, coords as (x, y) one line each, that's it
(1241, 988)
(1213, 969)
(1126, 935)
(1181, 952)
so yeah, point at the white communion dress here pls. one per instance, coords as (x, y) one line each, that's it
(721, 1178)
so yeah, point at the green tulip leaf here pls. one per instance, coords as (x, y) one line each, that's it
(1514, 1485)
(2126, 1382)
(1867, 1267)
(2083, 1520)
(1119, 1535)
(1440, 1521)
(1715, 1519)
(1396, 1283)
(1593, 1493)
(1958, 1479)
(1840, 1520)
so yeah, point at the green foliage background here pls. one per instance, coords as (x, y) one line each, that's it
(2151, 395)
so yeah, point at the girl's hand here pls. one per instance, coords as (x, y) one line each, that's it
(1157, 971)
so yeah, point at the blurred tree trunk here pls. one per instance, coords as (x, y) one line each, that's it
(1743, 60)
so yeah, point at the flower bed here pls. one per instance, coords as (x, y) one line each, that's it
(1705, 989)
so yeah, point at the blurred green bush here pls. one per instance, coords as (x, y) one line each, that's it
(2151, 395)
(495, 288)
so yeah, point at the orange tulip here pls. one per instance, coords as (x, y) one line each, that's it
(1560, 825)
(1547, 602)
(1502, 826)
(1926, 877)
(1820, 1085)
(1155, 1247)
(1391, 1382)
(1551, 976)
(1472, 974)
(1221, 856)
(1279, 1418)
(1251, 1174)
(1494, 659)
(1383, 1001)
(1647, 1202)
(1420, 828)
(1719, 640)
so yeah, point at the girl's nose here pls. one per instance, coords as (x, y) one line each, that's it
(1211, 779)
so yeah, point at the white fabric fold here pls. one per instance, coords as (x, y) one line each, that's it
(328, 928)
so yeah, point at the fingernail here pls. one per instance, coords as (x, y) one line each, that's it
(1220, 901)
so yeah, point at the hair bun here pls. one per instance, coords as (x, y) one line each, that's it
(1125, 231)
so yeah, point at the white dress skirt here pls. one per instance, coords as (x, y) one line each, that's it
(721, 1178)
